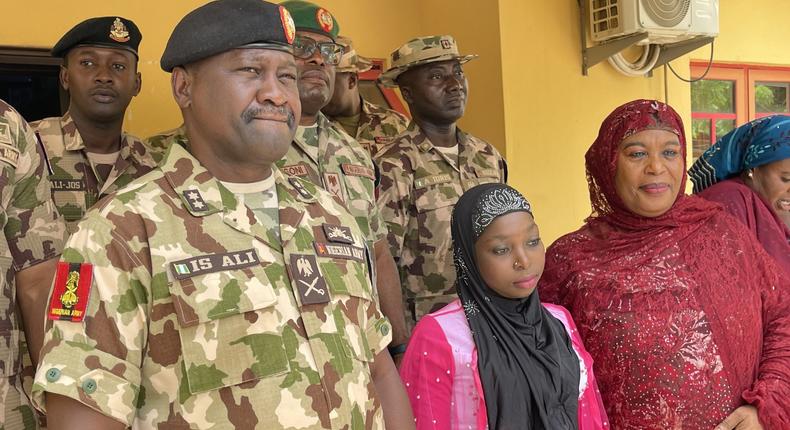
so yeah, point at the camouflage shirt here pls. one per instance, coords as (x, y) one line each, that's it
(32, 233)
(378, 126)
(75, 183)
(419, 188)
(342, 167)
(203, 316)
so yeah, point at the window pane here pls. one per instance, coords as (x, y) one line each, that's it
(700, 136)
(713, 96)
(724, 126)
(770, 96)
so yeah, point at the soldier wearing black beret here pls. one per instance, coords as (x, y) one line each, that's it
(220, 297)
(99, 72)
(88, 154)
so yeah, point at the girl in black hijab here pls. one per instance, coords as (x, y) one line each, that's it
(526, 355)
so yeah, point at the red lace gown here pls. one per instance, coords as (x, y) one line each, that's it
(682, 330)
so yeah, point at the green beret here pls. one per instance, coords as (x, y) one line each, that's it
(222, 25)
(106, 31)
(311, 17)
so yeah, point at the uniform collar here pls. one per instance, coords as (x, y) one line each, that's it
(201, 194)
(131, 148)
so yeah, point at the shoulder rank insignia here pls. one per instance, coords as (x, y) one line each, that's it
(70, 294)
(195, 201)
(299, 187)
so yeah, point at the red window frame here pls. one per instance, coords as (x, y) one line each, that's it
(745, 76)
(389, 94)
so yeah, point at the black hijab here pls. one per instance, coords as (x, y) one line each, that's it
(529, 371)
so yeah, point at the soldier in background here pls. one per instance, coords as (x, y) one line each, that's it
(33, 236)
(371, 125)
(325, 155)
(215, 292)
(425, 170)
(89, 156)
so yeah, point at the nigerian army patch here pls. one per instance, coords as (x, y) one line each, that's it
(70, 295)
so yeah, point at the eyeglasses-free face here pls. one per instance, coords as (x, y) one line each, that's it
(305, 47)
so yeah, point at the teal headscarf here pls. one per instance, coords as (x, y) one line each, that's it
(751, 145)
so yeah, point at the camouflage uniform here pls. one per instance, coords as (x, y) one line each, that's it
(33, 233)
(378, 126)
(342, 168)
(195, 318)
(76, 186)
(419, 188)
(159, 143)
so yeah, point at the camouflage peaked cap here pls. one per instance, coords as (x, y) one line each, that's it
(350, 61)
(422, 50)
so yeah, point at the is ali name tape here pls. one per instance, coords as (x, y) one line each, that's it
(70, 295)
(210, 263)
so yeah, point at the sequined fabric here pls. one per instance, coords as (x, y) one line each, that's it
(685, 315)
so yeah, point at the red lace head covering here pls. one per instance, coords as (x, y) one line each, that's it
(648, 294)
(601, 163)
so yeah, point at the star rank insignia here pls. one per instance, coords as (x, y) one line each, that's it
(195, 201)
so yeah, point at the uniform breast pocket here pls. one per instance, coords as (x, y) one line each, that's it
(230, 330)
(434, 205)
(351, 292)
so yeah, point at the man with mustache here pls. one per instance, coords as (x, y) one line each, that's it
(426, 169)
(89, 156)
(325, 155)
(216, 292)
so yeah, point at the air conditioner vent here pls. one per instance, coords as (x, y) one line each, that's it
(666, 13)
(605, 15)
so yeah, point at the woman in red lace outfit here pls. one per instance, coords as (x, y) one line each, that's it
(686, 316)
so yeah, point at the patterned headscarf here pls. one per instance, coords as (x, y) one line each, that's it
(751, 145)
(529, 372)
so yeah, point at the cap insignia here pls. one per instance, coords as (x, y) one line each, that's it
(118, 31)
(324, 19)
(445, 44)
(288, 24)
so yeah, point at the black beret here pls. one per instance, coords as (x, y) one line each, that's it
(223, 25)
(105, 31)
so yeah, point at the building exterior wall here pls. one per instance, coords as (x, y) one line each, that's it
(527, 94)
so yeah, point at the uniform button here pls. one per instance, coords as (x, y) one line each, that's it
(89, 386)
(53, 374)
(385, 329)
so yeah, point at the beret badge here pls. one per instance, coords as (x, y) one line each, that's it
(118, 31)
(288, 24)
(324, 19)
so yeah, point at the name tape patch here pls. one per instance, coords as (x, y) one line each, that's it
(210, 263)
(432, 180)
(356, 170)
(67, 185)
(295, 170)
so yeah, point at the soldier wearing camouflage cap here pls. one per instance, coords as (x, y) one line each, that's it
(215, 292)
(89, 156)
(327, 156)
(426, 169)
(33, 236)
(373, 126)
